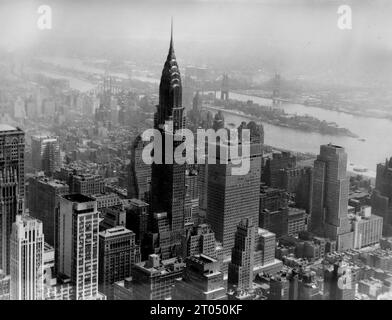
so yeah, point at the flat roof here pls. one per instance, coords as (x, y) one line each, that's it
(115, 231)
(77, 197)
(49, 181)
(7, 127)
(203, 259)
(138, 202)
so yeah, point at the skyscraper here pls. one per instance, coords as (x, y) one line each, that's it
(232, 198)
(242, 256)
(26, 265)
(168, 179)
(137, 218)
(139, 173)
(330, 196)
(41, 201)
(272, 172)
(12, 189)
(45, 152)
(382, 195)
(191, 211)
(77, 243)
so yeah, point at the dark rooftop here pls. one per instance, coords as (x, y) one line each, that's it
(80, 198)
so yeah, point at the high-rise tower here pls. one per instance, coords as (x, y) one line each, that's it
(139, 173)
(45, 153)
(382, 195)
(168, 178)
(330, 196)
(11, 186)
(77, 224)
(242, 256)
(231, 198)
(26, 263)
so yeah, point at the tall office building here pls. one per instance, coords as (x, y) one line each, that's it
(274, 210)
(272, 171)
(382, 195)
(26, 265)
(265, 245)
(117, 252)
(137, 218)
(77, 222)
(41, 201)
(139, 179)
(330, 196)
(12, 188)
(45, 152)
(191, 210)
(242, 257)
(203, 191)
(232, 198)
(168, 179)
(298, 181)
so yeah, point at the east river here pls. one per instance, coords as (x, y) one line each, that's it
(375, 134)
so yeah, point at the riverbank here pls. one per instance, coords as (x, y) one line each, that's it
(279, 117)
(377, 114)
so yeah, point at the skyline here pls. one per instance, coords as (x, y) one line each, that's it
(99, 202)
(255, 34)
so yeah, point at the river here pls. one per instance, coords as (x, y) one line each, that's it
(368, 153)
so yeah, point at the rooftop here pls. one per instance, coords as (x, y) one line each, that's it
(7, 127)
(138, 202)
(48, 247)
(51, 182)
(203, 259)
(116, 231)
(79, 198)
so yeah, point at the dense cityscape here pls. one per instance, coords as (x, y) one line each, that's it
(84, 217)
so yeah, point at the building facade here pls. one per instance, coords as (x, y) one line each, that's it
(330, 196)
(26, 265)
(240, 275)
(41, 201)
(12, 188)
(117, 252)
(45, 152)
(168, 178)
(202, 280)
(77, 222)
(139, 173)
(232, 198)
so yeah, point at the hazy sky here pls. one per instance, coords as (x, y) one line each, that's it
(289, 34)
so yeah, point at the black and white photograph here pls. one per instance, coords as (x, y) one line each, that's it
(195, 155)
